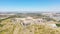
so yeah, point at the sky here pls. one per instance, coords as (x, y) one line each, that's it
(30, 5)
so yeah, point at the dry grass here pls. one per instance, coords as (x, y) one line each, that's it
(11, 28)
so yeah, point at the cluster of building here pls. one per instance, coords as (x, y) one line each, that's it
(55, 16)
(30, 20)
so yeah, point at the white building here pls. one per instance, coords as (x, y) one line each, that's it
(39, 21)
(28, 21)
(52, 25)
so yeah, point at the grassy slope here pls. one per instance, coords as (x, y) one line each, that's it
(7, 27)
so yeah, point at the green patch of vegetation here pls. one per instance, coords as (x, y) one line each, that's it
(58, 25)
